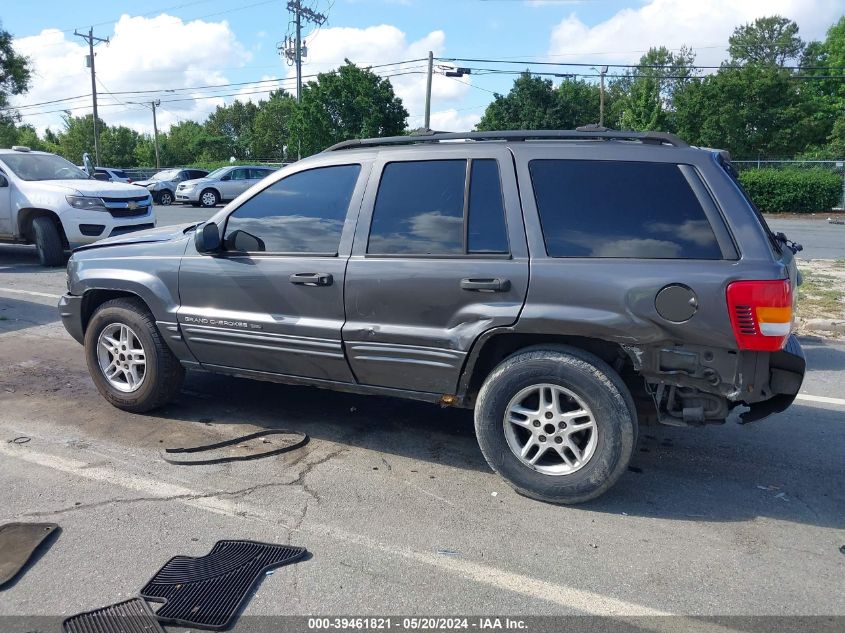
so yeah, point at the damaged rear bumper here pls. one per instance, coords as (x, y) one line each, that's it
(781, 375)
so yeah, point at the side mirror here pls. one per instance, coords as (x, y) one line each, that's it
(101, 176)
(244, 242)
(227, 177)
(207, 238)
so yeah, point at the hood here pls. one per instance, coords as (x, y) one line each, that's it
(158, 183)
(159, 234)
(195, 181)
(96, 188)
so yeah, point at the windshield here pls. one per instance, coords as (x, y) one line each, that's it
(218, 172)
(167, 174)
(42, 167)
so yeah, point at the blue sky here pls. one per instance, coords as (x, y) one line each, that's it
(180, 45)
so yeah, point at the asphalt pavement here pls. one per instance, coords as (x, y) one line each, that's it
(820, 239)
(394, 500)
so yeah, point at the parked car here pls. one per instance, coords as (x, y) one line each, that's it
(112, 175)
(401, 267)
(48, 201)
(162, 185)
(221, 185)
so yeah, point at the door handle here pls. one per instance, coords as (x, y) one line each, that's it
(496, 284)
(312, 279)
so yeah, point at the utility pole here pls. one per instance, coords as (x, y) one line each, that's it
(602, 73)
(155, 103)
(293, 47)
(427, 120)
(89, 37)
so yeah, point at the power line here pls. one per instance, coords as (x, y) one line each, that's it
(388, 74)
(591, 64)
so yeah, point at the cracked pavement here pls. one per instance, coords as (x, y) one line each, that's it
(395, 501)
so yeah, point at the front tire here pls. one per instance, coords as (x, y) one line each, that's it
(209, 198)
(165, 197)
(130, 363)
(48, 242)
(559, 425)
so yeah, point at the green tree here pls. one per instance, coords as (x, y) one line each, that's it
(823, 62)
(530, 105)
(77, 137)
(229, 131)
(754, 111)
(186, 143)
(117, 146)
(646, 94)
(15, 75)
(347, 103)
(271, 134)
(772, 41)
(145, 153)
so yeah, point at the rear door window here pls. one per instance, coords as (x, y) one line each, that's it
(425, 208)
(594, 208)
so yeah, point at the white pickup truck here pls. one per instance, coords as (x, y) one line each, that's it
(48, 201)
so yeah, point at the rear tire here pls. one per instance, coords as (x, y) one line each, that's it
(158, 381)
(48, 241)
(567, 380)
(209, 198)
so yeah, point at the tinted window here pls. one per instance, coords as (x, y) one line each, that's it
(258, 174)
(119, 173)
(486, 216)
(620, 209)
(419, 208)
(240, 174)
(303, 213)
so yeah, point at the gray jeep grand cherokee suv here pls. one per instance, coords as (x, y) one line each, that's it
(567, 285)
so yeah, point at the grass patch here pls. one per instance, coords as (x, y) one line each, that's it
(820, 296)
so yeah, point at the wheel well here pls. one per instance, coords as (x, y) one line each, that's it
(93, 299)
(26, 217)
(500, 346)
(214, 189)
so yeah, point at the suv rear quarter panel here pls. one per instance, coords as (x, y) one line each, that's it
(614, 298)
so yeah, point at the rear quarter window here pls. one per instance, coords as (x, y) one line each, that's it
(592, 208)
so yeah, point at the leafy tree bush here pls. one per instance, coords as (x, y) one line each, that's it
(793, 190)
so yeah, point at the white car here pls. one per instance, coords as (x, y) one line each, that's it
(221, 185)
(48, 201)
(112, 174)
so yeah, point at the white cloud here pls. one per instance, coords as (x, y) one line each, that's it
(450, 120)
(705, 26)
(158, 53)
(381, 44)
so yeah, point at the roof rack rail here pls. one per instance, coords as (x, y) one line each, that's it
(651, 138)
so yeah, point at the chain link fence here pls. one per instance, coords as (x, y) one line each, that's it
(832, 165)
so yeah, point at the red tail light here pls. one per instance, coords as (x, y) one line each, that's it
(761, 313)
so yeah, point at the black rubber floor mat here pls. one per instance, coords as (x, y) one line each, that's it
(299, 443)
(18, 542)
(208, 592)
(131, 616)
